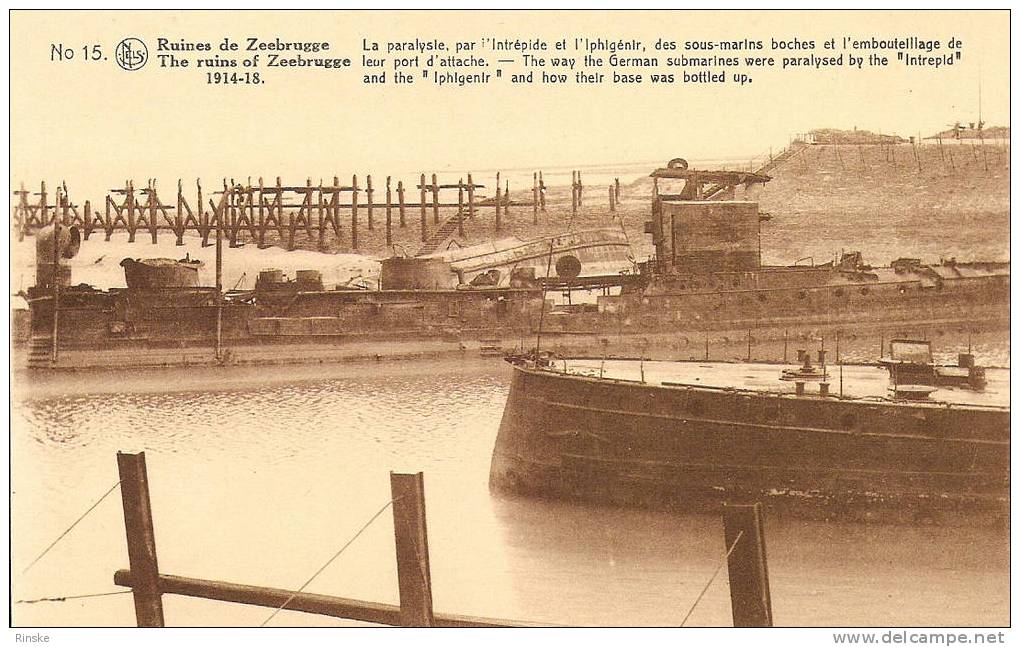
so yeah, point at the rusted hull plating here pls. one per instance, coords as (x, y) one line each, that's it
(689, 448)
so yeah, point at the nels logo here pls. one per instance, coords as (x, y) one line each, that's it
(131, 54)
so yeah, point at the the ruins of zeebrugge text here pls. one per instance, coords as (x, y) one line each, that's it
(536, 62)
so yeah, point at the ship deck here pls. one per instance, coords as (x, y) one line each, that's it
(858, 381)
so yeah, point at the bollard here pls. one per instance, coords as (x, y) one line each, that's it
(747, 566)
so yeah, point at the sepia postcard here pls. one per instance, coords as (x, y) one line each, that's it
(689, 320)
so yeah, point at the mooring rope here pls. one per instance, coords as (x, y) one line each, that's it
(328, 562)
(712, 579)
(65, 598)
(71, 527)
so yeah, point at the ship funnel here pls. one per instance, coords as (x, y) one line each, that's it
(67, 244)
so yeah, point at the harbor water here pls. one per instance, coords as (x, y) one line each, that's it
(258, 476)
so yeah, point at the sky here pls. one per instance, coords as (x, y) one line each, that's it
(94, 125)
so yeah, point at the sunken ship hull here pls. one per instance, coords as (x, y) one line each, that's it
(706, 286)
(692, 447)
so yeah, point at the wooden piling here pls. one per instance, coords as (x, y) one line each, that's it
(413, 575)
(573, 192)
(389, 213)
(471, 197)
(219, 284)
(368, 196)
(534, 198)
(55, 280)
(460, 207)
(580, 190)
(129, 204)
(262, 213)
(616, 189)
(612, 200)
(107, 220)
(747, 565)
(354, 212)
(87, 221)
(424, 223)
(178, 214)
(541, 191)
(201, 214)
(499, 198)
(435, 200)
(152, 210)
(401, 207)
(321, 207)
(141, 539)
(506, 200)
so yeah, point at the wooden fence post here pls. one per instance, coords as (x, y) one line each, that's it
(413, 575)
(471, 197)
(747, 565)
(541, 191)
(141, 540)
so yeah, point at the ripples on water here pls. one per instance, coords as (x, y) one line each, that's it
(258, 475)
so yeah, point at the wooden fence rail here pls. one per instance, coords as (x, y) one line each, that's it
(744, 542)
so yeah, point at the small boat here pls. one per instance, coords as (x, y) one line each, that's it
(161, 272)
